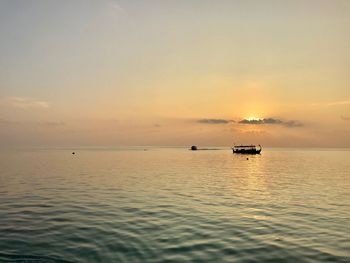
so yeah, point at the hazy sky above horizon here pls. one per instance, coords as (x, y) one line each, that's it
(109, 73)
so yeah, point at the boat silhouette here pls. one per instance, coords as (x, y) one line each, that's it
(247, 149)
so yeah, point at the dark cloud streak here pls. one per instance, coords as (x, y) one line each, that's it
(214, 121)
(272, 121)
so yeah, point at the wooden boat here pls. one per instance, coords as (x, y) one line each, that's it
(247, 149)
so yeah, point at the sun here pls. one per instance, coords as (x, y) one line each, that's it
(253, 118)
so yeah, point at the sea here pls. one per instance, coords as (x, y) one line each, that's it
(149, 204)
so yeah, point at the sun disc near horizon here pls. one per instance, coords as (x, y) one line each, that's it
(253, 118)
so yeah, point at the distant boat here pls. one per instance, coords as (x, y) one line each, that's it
(247, 149)
(195, 148)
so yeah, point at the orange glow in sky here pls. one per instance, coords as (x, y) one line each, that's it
(175, 73)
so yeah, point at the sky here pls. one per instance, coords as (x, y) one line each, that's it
(174, 73)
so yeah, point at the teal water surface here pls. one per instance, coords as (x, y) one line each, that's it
(174, 205)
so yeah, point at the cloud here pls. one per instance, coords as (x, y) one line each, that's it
(293, 124)
(271, 121)
(214, 121)
(8, 122)
(344, 118)
(117, 7)
(336, 103)
(258, 121)
(36, 123)
(52, 123)
(24, 103)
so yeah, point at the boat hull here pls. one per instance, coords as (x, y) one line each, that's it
(250, 151)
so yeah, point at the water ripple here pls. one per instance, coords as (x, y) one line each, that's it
(173, 205)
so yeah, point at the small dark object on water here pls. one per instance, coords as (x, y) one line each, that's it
(247, 158)
(194, 148)
(73, 153)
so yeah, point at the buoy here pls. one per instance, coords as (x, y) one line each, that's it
(73, 152)
(247, 158)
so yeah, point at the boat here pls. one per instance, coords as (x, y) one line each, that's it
(247, 149)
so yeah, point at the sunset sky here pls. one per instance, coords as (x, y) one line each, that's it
(175, 73)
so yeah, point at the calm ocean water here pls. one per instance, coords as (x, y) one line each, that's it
(174, 205)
